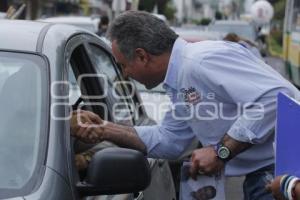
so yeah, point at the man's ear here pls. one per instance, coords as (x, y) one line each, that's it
(141, 55)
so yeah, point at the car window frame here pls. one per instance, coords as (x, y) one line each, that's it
(73, 43)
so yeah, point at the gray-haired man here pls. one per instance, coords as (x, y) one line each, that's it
(222, 94)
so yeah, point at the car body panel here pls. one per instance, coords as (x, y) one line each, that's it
(88, 23)
(23, 35)
(52, 178)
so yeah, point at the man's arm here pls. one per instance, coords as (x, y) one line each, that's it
(168, 140)
(122, 136)
(205, 160)
(234, 146)
(90, 128)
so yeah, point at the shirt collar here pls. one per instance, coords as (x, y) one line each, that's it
(174, 63)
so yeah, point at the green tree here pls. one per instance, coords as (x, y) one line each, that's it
(170, 11)
(279, 10)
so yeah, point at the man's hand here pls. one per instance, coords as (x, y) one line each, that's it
(274, 188)
(205, 161)
(86, 126)
(90, 128)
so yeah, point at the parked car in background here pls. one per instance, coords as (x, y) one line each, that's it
(88, 23)
(194, 34)
(38, 62)
(241, 28)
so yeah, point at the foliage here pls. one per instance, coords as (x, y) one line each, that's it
(170, 11)
(279, 10)
(275, 48)
(203, 21)
(147, 5)
(218, 15)
(275, 40)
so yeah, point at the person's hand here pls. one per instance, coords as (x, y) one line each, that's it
(84, 125)
(80, 162)
(274, 188)
(205, 161)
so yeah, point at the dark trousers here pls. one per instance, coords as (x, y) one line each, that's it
(255, 182)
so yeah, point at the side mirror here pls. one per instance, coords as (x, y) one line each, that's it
(116, 171)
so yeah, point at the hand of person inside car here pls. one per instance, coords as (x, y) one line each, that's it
(84, 126)
(90, 128)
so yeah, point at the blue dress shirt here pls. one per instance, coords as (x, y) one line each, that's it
(218, 87)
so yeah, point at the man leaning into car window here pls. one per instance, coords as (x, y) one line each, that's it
(221, 93)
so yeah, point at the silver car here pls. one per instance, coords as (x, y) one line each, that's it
(46, 71)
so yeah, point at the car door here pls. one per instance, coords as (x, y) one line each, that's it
(112, 99)
(85, 92)
(125, 95)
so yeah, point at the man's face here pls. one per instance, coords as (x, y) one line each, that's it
(139, 68)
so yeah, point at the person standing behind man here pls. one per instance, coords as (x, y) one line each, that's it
(221, 93)
(103, 26)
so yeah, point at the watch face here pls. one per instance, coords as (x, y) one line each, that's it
(223, 152)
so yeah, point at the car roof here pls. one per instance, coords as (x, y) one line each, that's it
(66, 19)
(23, 35)
(19, 34)
(88, 23)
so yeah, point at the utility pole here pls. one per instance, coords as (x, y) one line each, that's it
(118, 6)
(135, 4)
(33, 9)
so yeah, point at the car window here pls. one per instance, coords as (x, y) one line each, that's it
(122, 110)
(22, 105)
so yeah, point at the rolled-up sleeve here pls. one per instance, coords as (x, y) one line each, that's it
(257, 122)
(168, 140)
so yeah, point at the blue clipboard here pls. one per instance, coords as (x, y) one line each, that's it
(287, 156)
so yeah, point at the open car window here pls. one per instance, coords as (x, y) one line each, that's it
(121, 104)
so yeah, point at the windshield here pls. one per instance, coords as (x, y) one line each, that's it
(242, 30)
(21, 99)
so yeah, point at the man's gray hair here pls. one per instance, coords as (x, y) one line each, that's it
(138, 29)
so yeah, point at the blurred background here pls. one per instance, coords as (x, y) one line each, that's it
(176, 12)
(186, 13)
